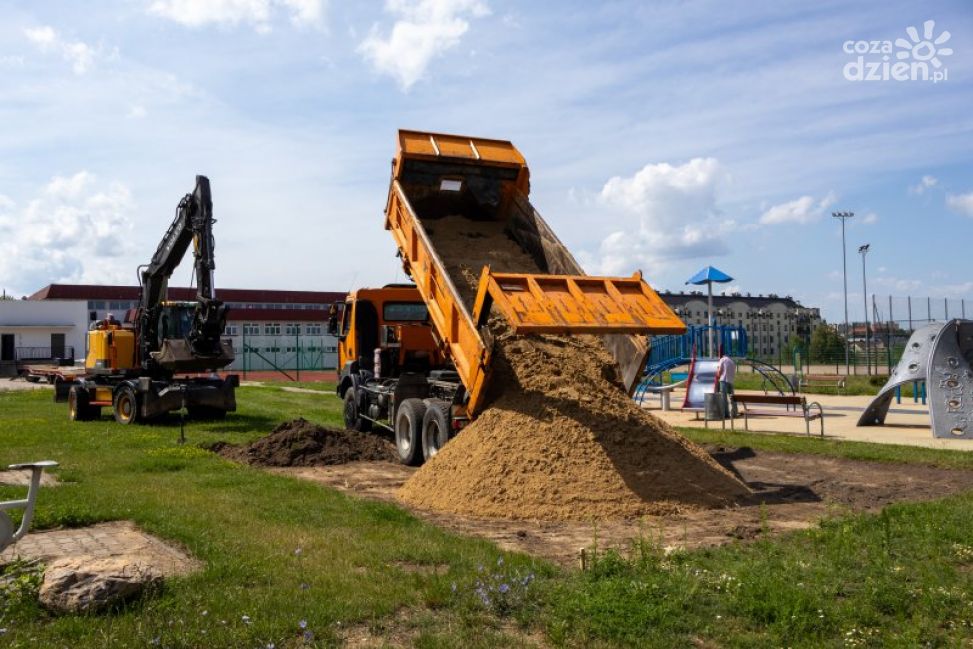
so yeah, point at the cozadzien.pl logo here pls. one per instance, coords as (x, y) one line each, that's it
(916, 58)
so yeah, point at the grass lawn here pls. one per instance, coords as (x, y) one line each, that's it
(903, 578)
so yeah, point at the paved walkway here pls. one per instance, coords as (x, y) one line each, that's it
(907, 423)
(114, 539)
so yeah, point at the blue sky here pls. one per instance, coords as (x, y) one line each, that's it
(661, 136)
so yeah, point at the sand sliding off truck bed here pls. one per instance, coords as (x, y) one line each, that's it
(416, 359)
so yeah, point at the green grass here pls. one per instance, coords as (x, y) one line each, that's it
(244, 523)
(854, 385)
(833, 447)
(902, 578)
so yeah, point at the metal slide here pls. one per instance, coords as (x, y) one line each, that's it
(941, 354)
(702, 381)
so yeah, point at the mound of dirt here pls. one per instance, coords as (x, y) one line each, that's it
(560, 439)
(302, 443)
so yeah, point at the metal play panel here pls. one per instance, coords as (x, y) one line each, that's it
(941, 354)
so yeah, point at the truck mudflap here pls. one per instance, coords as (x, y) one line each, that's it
(215, 394)
(574, 304)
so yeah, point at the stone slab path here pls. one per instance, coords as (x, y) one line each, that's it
(114, 539)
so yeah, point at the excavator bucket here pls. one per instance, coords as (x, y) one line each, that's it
(578, 304)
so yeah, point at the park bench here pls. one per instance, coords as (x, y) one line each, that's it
(776, 405)
(835, 381)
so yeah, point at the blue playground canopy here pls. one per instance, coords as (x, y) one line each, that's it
(709, 274)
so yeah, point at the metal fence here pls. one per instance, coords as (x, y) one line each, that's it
(875, 346)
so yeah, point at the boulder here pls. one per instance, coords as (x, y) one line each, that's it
(90, 585)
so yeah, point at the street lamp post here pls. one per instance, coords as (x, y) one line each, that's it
(863, 250)
(844, 216)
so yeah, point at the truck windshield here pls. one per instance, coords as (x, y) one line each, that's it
(404, 312)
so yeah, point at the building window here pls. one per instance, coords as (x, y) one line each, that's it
(292, 329)
(231, 330)
(312, 329)
(251, 329)
(272, 329)
(98, 305)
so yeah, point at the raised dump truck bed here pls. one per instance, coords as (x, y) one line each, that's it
(437, 178)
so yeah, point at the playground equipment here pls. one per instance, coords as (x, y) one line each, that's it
(8, 535)
(941, 355)
(670, 352)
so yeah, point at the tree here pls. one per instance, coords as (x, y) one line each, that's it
(826, 345)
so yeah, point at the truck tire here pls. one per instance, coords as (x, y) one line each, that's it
(353, 419)
(436, 428)
(408, 431)
(125, 405)
(79, 408)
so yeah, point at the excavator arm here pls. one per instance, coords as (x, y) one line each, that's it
(200, 347)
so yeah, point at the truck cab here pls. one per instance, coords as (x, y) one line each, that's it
(385, 332)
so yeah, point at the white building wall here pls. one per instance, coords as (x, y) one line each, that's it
(32, 322)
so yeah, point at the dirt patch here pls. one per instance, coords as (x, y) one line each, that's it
(789, 492)
(560, 439)
(303, 443)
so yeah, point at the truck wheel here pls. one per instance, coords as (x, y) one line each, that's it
(78, 407)
(126, 405)
(353, 419)
(436, 430)
(408, 431)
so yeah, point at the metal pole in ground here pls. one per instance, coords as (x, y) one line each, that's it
(844, 216)
(909, 304)
(891, 322)
(863, 250)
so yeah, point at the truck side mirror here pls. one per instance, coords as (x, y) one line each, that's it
(333, 320)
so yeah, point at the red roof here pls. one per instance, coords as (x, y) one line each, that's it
(98, 292)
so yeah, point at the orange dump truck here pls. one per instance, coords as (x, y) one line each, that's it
(416, 359)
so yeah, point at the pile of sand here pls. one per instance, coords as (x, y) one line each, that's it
(560, 438)
(302, 443)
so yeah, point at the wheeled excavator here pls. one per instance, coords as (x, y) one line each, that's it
(165, 354)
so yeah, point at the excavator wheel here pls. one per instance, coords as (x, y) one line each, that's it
(78, 407)
(408, 431)
(126, 405)
(436, 430)
(352, 419)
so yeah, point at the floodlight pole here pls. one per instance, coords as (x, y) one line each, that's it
(843, 216)
(864, 251)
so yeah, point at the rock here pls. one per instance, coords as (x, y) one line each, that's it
(90, 585)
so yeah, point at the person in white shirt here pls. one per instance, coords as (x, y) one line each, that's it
(726, 372)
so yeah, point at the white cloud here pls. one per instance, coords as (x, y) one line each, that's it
(870, 218)
(80, 55)
(800, 210)
(197, 13)
(137, 111)
(43, 37)
(960, 203)
(677, 216)
(73, 231)
(926, 182)
(425, 29)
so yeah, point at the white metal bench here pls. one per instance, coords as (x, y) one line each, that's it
(8, 535)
